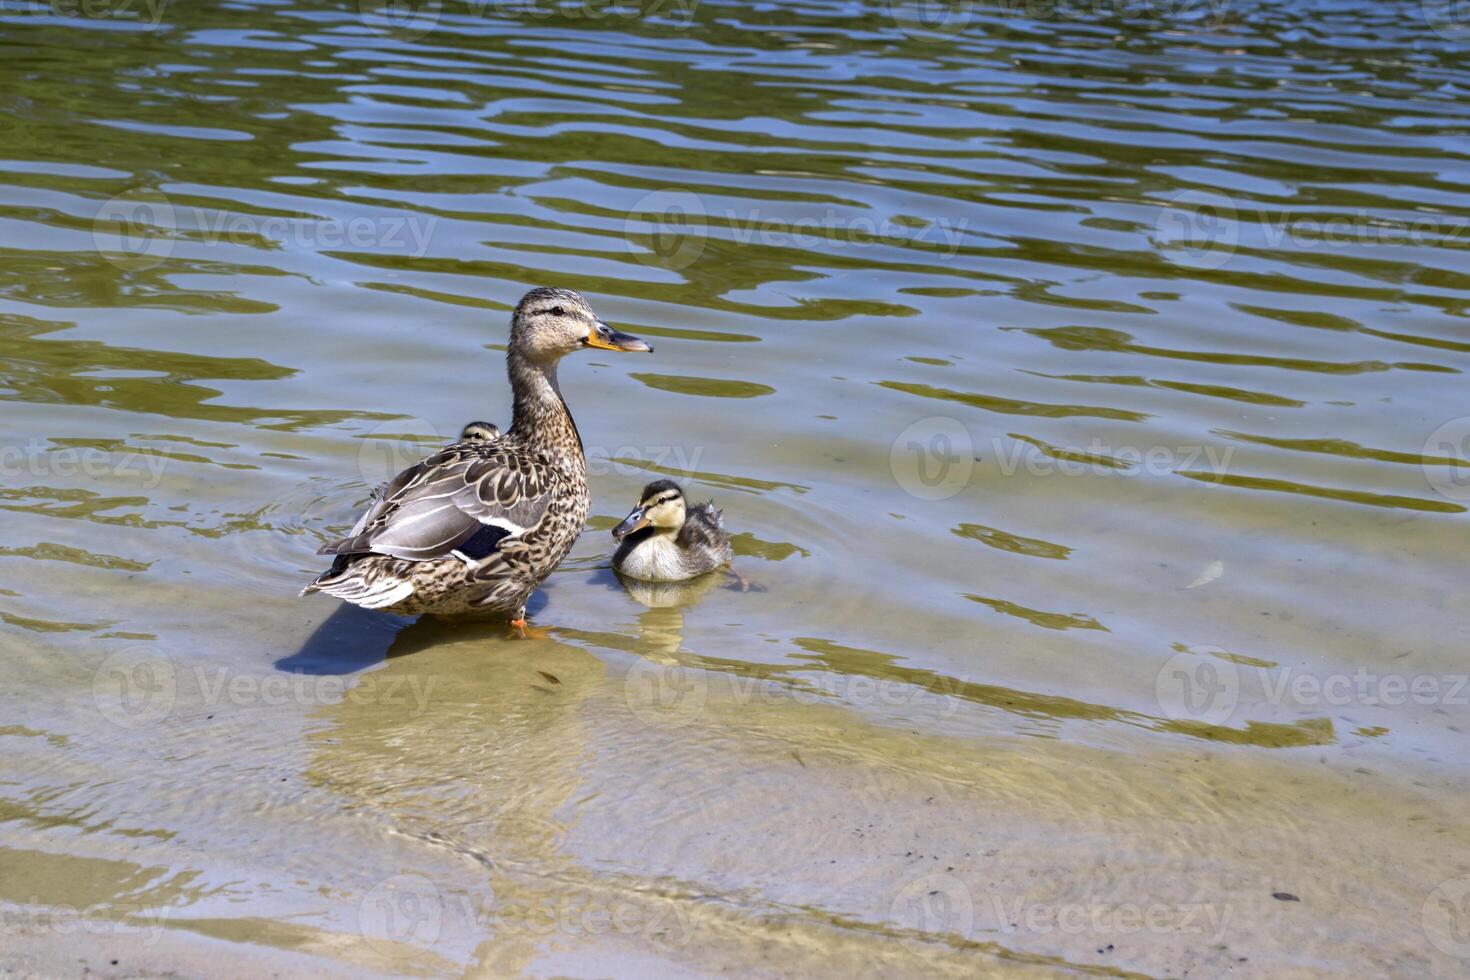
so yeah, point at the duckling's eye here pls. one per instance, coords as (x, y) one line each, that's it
(558, 311)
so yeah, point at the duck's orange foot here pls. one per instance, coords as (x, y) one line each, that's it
(524, 632)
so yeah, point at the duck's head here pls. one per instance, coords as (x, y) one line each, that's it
(551, 323)
(661, 506)
(480, 432)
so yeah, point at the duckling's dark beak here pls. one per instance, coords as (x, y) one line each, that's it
(604, 337)
(633, 522)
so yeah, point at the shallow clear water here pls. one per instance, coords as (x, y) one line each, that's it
(1085, 384)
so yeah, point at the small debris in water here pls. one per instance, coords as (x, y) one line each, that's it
(1212, 571)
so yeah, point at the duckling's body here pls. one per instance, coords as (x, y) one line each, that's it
(666, 540)
(477, 526)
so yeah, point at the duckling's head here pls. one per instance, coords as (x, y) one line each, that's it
(661, 506)
(550, 323)
(480, 433)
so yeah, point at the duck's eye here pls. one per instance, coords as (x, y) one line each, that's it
(558, 311)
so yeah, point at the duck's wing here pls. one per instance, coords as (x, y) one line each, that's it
(464, 498)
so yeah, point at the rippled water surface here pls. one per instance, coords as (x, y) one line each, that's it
(1085, 383)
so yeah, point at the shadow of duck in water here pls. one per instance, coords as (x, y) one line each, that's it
(352, 639)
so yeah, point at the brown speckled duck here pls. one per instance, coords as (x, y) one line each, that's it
(477, 526)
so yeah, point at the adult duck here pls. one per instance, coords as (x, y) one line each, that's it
(477, 526)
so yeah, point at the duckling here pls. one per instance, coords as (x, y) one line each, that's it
(480, 433)
(665, 540)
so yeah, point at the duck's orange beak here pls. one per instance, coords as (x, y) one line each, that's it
(604, 337)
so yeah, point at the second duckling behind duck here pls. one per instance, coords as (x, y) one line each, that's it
(480, 433)
(666, 540)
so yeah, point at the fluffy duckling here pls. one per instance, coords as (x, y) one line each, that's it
(665, 540)
(480, 433)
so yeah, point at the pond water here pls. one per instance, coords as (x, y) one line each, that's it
(1084, 383)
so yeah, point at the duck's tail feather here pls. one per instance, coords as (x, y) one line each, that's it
(361, 584)
(715, 515)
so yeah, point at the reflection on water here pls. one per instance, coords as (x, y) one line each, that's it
(1080, 383)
